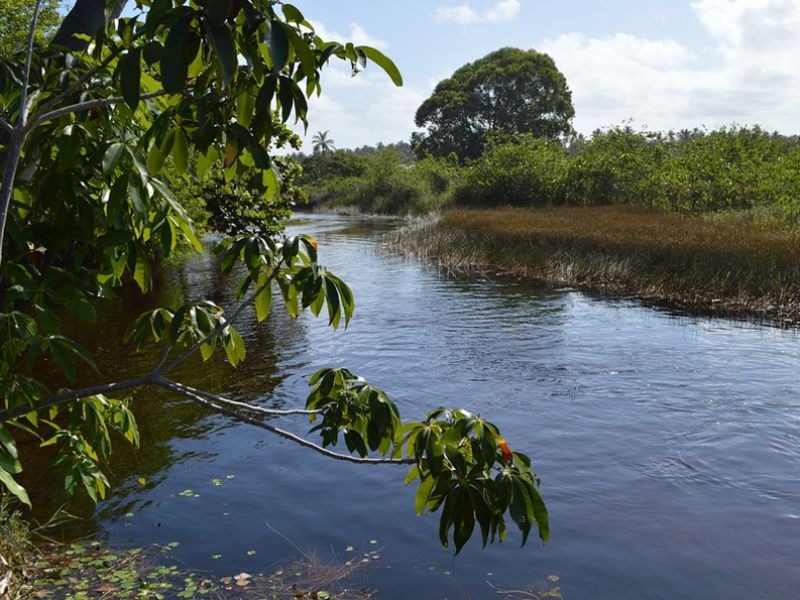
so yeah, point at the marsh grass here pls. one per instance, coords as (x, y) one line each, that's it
(728, 264)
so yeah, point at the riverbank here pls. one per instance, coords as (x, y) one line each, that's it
(686, 261)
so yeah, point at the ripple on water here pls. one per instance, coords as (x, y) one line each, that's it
(668, 446)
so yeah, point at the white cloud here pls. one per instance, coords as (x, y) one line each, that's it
(357, 36)
(505, 10)
(464, 14)
(662, 84)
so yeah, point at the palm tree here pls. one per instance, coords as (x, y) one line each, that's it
(322, 143)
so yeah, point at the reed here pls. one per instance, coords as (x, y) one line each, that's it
(721, 265)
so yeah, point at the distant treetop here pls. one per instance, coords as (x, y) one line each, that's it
(508, 91)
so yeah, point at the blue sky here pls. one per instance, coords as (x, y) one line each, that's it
(661, 64)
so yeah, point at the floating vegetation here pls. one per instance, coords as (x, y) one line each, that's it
(87, 571)
(548, 588)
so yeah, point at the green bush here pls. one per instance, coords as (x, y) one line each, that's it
(388, 185)
(615, 167)
(728, 169)
(526, 171)
(690, 171)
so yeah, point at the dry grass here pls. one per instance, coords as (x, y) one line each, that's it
(680, 259)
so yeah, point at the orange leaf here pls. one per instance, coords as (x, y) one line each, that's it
(508, 458)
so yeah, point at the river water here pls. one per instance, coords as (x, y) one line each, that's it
(668, 445)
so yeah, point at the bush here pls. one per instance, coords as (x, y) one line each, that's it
(526, 171)
(388, 185)
(615, 167)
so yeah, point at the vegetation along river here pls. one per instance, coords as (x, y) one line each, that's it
(668, 446)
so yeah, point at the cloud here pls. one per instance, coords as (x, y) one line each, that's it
(505, 10)
(464, 14)
(357, 36)
(748, 75)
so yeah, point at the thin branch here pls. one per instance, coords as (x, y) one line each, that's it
(6, 125)
(163, 359)
(268, 412)
(223, 324)
(88, 105)
(26, 76)
(179, 389)
(68, 396)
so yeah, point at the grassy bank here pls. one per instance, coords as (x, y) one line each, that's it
(720, 264)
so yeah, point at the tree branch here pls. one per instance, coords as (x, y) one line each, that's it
(222, 325)
(6, 125)
(88, 105)
(268, 412)
(84, 78)
(26, 76)
(69, 395)
(183, 391)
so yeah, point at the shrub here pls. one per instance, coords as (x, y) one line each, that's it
(526, 171)
(615, 167)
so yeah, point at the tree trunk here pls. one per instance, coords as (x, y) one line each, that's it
(86, 17)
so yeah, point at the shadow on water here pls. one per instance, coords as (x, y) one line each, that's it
(164, 419)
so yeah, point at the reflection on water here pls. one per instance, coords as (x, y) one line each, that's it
(668, 446)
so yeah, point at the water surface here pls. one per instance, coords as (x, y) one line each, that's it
(668, 446)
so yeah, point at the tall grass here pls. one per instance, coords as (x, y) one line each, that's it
(681, 259)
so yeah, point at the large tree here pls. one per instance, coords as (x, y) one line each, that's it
(509, 91)
(100, 128)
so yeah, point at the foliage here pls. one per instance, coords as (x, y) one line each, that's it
(691, 171)
(319, 169)
(381, 182)
(107, 133)
(462, 464)
(15, 20)
(511, 91)
(526, 171)
(230, 204)
(615, 166)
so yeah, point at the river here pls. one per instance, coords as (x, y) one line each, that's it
(668, 445)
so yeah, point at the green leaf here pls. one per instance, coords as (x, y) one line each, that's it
(180, 151)
(15, 488)
(62, 355)
(423, 493)
(8, 443)
(131, 77)
(112, 158)
(307, 61)
(141, 273)
(222, 40)
(217, 11)
(292, 13)
(234, 347)
(180, 49)
(384, 62)
(263, 299)
(155, 159)
(278, 46)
